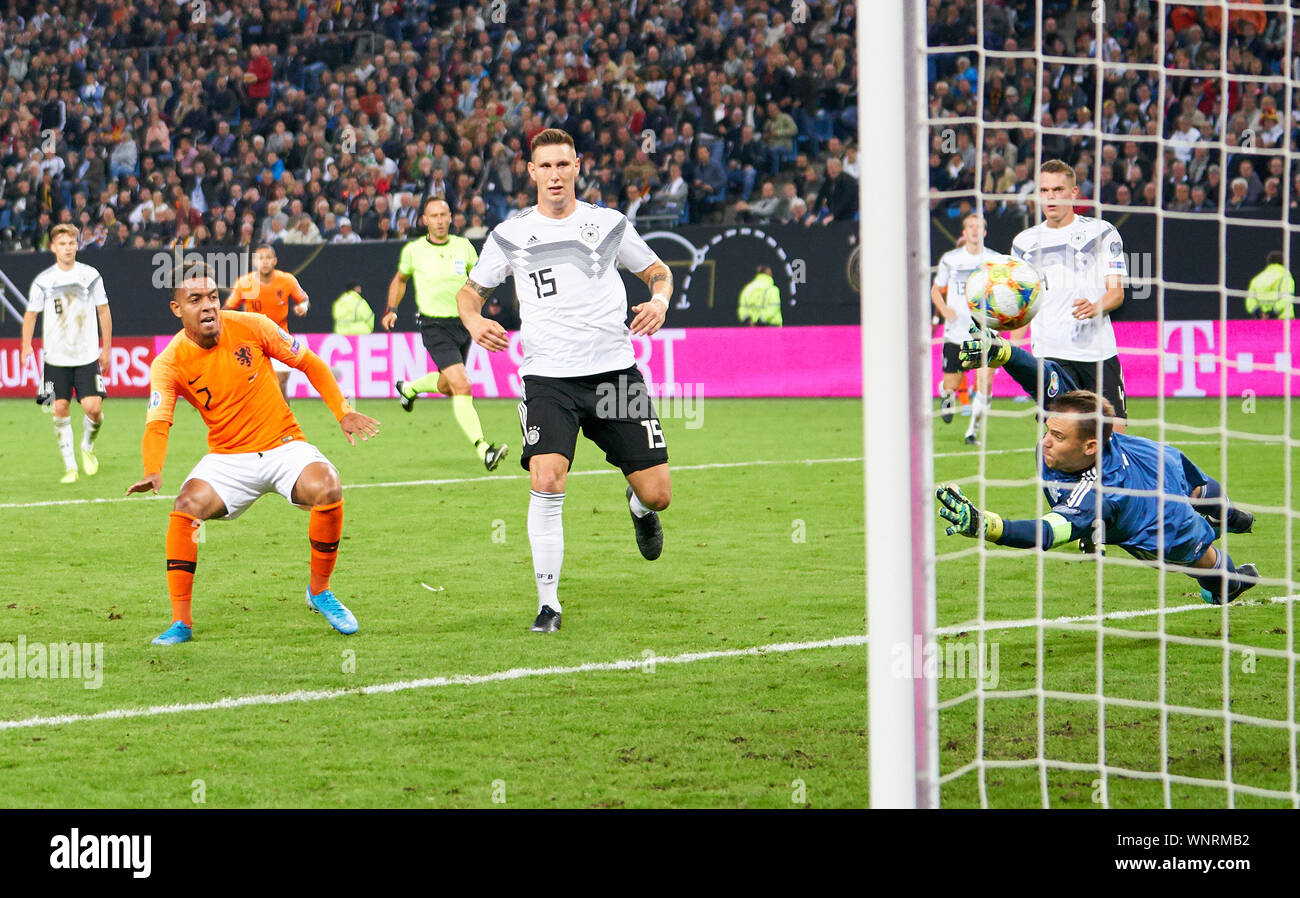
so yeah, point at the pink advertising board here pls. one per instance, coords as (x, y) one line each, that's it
(1197, 355)
(693, 362)
(825, 361)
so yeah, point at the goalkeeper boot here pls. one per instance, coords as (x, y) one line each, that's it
(1247, 576)
(177, 633)
(1238, 522)
(947, 406)
(548, 620)
(407, 401)
(649, 532)
(334, 611)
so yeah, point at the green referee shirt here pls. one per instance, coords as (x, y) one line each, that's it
(439, 271)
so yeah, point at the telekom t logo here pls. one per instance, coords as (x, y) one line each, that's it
(1178, 338)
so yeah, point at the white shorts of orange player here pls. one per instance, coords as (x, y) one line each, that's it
(240, 478)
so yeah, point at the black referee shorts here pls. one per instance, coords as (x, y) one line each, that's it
(446, 340)
(613, 410)
(1112, 380)
(83, 380)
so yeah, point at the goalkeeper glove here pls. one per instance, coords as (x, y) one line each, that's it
(983, 344)
(965, 517)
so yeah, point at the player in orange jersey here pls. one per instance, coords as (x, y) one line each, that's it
(221, 364)
(268, 291)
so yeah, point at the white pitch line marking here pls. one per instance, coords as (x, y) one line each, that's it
(519, 673)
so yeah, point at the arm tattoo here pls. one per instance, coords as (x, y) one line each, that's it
(664, 275)
(482, 291)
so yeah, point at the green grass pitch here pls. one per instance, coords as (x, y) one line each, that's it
(755, 554)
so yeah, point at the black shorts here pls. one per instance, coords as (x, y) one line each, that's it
(613, 410)
(84, 380)
(1112, 380)
(951, 362)
(446, 340)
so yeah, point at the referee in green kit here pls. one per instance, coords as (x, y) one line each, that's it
(440, 262)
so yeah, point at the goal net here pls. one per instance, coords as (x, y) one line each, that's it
(1063, 678)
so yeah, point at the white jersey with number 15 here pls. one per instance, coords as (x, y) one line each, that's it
(572, 302)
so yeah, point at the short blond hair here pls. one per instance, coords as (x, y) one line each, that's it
(60, 229)
(1057, 167)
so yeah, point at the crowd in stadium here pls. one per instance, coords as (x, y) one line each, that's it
(1225, 139)
(159, 123)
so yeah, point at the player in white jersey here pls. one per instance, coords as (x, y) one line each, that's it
(579, 369)
(1082, 261)
(948, 294)
(71, 294)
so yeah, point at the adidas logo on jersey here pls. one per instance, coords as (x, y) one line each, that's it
(531, 240)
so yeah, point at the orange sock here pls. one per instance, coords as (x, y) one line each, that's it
(182, 557)
(324, 531)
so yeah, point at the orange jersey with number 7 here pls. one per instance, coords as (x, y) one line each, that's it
(270, 299)
(234, 387)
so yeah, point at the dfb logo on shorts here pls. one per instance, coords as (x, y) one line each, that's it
(532, 436)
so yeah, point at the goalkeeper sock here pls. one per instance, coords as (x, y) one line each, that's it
(63, 434)
(1212, 502)
(182, 558)
(463, 408)
(1224, 580)
(90, 430)
(323, 532)
(546, 536)
(426, 384)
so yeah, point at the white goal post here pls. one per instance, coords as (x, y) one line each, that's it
(894, 241)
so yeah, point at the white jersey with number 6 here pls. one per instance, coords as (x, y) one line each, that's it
(572, 302)
(69, 299)
(1074, 261)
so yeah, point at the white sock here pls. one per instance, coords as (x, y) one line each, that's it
(979, 406)
(546, 536)
(63, 434)
(89, 431)
(639, 508)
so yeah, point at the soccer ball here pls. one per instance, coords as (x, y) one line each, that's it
(1004, 293)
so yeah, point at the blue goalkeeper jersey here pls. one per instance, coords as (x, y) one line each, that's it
(1134, 523)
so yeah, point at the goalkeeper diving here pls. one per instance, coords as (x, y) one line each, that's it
(1155, 503)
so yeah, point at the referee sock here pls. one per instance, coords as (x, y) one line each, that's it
(324, 531)
(182, 559)
(90, 430)
(426, 384)
(463, 408)
(63, 434)
(546, 536)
